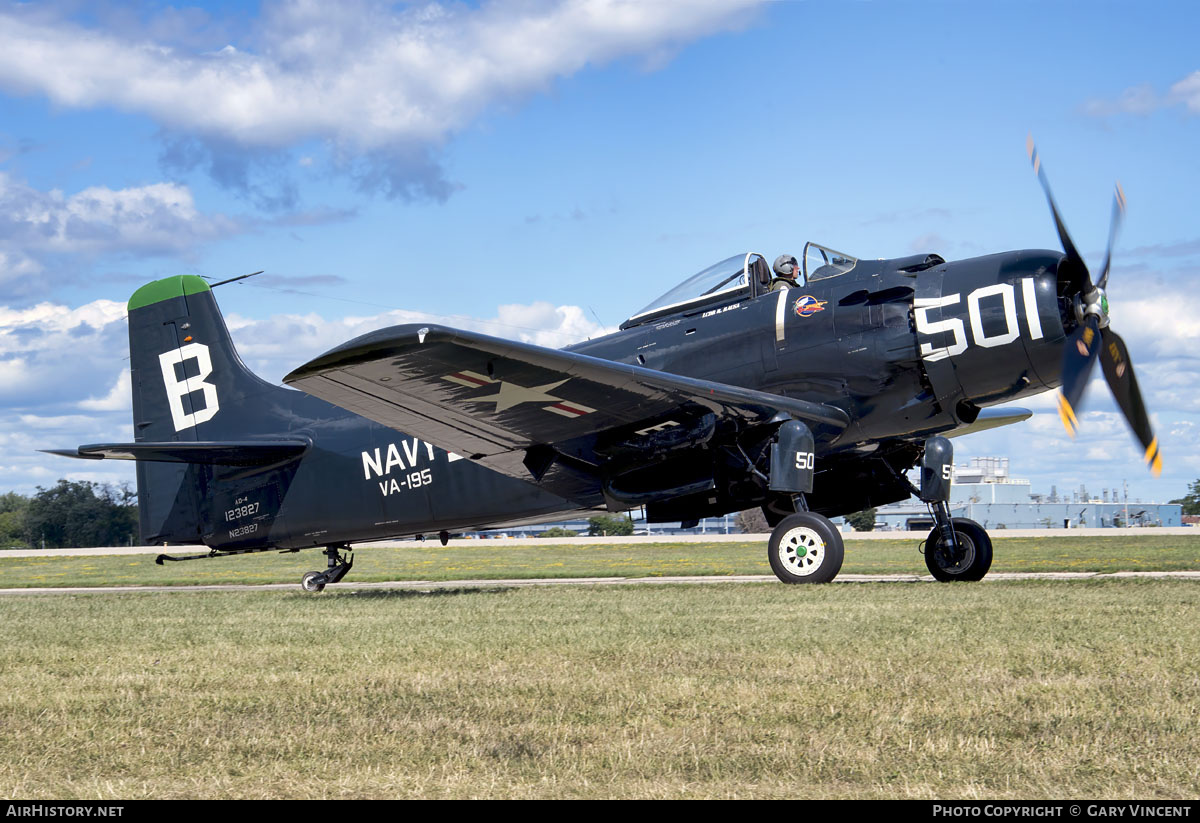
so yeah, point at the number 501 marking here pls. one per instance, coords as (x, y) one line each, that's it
(957, 331)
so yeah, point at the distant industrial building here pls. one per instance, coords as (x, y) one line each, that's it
(726, 524)
(984, 491)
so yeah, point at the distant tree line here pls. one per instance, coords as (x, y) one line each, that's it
(72, 514)
(605, 525)
(599, 526)
(1191, 500)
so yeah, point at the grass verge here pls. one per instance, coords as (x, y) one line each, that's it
(1012, 690)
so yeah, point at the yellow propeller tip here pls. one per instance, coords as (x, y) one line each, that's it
(1067, 415)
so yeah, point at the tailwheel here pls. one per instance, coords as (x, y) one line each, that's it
(339, 564)
(969, 560)
(805, 548)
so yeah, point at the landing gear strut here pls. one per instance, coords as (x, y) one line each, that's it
(339, 564)
(957, 548)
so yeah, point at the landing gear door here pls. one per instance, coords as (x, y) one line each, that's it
(937, 469)
(793, 459)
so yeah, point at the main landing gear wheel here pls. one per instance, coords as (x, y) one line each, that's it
(974, 556)
(312, 582)
(805, 548)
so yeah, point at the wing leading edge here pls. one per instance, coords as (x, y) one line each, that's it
(523, 410)
(992, 419)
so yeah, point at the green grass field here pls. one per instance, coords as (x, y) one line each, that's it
(1028, 689)
(492, 559)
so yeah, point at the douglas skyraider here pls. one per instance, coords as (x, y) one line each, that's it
(721, 395)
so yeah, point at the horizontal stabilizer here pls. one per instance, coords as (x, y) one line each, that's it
(215, 453)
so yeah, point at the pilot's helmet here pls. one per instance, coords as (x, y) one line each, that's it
(785, 266)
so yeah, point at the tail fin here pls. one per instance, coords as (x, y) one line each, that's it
(188, 385)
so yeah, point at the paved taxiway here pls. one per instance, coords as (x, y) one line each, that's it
(501, 542)
(443, 585)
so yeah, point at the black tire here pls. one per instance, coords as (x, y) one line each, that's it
(313, 582)
(805, 548)
(977, 553)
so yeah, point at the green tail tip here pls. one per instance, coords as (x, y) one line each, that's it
(166, 289)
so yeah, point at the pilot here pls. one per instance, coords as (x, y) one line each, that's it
(785, 272)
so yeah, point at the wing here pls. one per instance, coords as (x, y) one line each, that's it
(563, 419)
(992, 419)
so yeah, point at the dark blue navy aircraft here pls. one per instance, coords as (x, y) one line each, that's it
(720, 396)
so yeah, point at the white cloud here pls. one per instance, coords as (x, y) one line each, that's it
(53, 358)
(23, 466)
(55, 355)
(1143, 99)
(1136, 100)
(15, 266)
(55, 317)
(363, 77)
(1167, 325)
(1187, 92)
(156, 218)
(119, 398)
(545, 324)
(276, 345)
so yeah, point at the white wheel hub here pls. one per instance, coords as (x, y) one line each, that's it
(801, 551)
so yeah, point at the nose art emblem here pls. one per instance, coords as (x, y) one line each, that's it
(808, 305)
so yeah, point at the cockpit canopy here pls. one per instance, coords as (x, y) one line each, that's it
(741, 276)
(728, 279)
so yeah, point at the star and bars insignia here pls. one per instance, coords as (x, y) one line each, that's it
(510, 394)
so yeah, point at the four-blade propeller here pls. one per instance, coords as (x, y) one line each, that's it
(1093, 339)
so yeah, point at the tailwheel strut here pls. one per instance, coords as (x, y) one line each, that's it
(339, 564)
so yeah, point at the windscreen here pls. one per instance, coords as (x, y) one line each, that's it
(821, 262)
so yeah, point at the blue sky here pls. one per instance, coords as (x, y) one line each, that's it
(543, 169)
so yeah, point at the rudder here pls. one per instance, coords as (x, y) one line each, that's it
(188, 384)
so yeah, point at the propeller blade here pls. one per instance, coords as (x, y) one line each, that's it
(1081, 280)
(1118, 371)
(1079, 356)
(1114, 225)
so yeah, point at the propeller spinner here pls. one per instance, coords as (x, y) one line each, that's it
(1094, 339)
